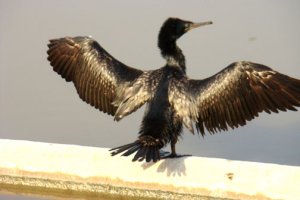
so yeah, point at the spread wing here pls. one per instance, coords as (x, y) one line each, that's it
(233, 96)
(96, 75)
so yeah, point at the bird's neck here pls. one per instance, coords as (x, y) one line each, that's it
(172, 53)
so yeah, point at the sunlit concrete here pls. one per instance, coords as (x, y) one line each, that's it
(92, 166)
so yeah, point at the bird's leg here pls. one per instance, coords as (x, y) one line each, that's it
(166, 154)
(173, 149)
(173, 153)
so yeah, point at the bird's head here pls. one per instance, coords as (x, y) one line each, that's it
(171, 30)
(174, 28)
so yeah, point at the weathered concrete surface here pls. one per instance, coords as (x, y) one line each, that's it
(90, 169)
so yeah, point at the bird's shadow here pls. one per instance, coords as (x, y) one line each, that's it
(170, 166)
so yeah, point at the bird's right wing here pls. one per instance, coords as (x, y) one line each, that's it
(96, 75)
(233, 96)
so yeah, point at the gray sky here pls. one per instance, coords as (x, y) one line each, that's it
(37, 104)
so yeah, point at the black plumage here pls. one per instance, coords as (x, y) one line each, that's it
(228, 99)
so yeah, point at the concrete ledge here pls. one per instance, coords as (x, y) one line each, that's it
(93, 170)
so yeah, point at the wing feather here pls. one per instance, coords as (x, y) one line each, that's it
(234, 96)
(96, 74)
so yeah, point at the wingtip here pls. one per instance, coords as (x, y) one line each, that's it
(117, 118)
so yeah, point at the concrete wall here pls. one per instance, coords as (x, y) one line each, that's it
(90, 169)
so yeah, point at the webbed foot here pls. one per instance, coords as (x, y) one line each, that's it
(165, 155)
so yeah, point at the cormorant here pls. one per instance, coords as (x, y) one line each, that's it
(227, 99)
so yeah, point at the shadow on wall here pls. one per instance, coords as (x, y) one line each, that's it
(173, 167)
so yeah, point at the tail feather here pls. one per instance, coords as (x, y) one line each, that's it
(123, 148)
(126, 146)
(140, 155)
(145, 148)
(151, 154)
(131, 150)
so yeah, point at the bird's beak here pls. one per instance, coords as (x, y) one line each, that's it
(196, 25)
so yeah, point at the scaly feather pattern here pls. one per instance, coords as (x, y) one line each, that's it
(96, 75)
(233, 96)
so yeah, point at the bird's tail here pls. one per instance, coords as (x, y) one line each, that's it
(146, 147)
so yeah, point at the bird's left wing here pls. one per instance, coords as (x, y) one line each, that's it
(233, 96)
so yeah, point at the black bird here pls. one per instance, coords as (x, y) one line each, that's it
(228, 99)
